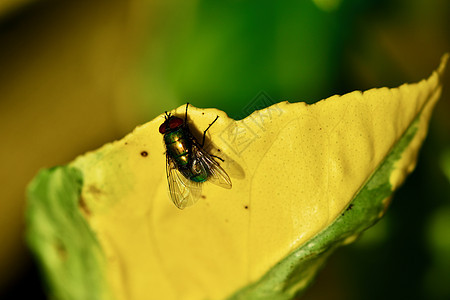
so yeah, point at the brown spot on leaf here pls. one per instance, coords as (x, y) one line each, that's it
(60, 249)
(144, 153)
(83, 206)
(94, 190)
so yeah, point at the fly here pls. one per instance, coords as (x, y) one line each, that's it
(188, 165)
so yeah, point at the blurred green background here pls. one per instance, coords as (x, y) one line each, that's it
(77, 74)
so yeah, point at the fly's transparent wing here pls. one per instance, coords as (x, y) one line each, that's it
(182, 191)
(217, 175)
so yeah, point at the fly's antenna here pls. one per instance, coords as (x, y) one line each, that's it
(167, 115)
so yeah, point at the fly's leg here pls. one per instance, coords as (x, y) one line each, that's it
(204, 132)
(185, 114)
(217, 157)
(204, 135)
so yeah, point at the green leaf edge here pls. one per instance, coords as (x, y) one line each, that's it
(66, 249)
(290, 277)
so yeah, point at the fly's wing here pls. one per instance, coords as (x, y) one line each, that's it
(217, 175)
(182, 191)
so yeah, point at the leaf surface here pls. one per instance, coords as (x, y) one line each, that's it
(306, 179)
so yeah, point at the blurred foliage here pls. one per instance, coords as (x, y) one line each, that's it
(76, 74)
(9, 6)
(223, 53)
(438, 240)
(445, 163)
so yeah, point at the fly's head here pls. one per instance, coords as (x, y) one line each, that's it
(171, 123)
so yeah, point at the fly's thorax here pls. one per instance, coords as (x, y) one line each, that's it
(178, 146)
(174, 136)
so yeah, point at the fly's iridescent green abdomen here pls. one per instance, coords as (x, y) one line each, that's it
(188, 165)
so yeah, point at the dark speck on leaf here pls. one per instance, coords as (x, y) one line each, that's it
(144, 153)
(60, 249)
(83, 206)
(246, 207)
(203, 197)
(347, 209)
(94, 190)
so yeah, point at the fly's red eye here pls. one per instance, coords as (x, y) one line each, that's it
(175, 122)
(162, 128)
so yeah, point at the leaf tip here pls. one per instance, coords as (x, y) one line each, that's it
(443, 64)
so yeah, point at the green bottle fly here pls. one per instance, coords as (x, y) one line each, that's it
(188, 165)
